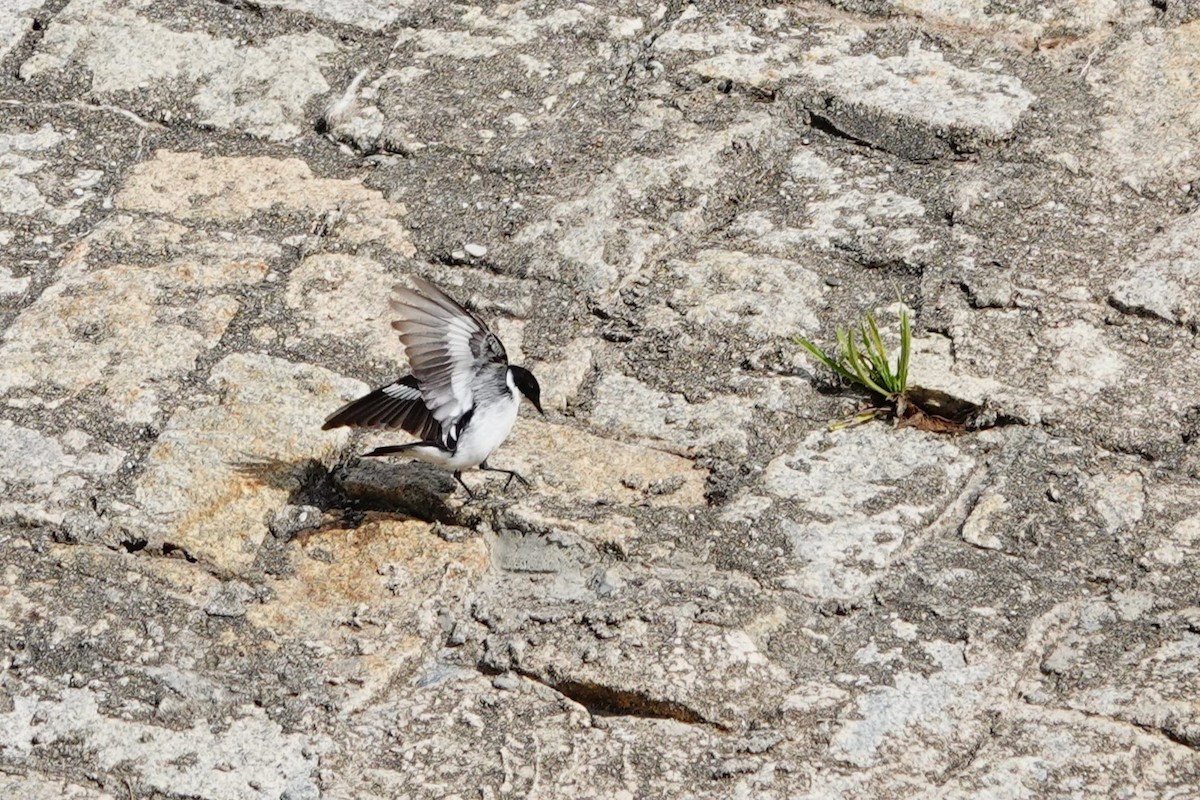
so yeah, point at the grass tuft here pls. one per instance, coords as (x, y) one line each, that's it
(862, 358)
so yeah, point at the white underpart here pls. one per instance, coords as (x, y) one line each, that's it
(489, 427)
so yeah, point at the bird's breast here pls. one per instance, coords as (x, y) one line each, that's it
(489, 427)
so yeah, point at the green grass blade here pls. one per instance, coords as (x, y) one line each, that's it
(905, 349)
(877, 351)
(824, 358)
(843, 346)
(861, 366)
(849, 356)
(862, 357)
(876, 341)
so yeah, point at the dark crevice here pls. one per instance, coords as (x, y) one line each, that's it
(25, 47)
(455, 259)
(1005, 420)
(1189, 739)
(176, 551)
(1191, 425)
(606, 701)
(870, 261)
(827, 126)
(134, 545)
(1138, 311)
(1149, 452)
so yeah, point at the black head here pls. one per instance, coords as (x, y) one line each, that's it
(527, 385)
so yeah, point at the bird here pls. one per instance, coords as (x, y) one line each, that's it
(462, 397)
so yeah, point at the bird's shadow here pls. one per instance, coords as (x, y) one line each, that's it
(346, 492)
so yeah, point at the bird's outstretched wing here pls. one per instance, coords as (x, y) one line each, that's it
(397, 405)
(447, 347)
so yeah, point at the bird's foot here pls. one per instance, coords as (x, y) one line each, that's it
(510, 473)
(467, 489)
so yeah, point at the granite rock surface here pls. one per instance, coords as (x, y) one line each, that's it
(705, 592)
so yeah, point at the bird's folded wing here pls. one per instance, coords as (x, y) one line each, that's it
(447, 346)
(397, 405)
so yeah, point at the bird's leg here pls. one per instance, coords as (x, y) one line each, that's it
(458, 477)
(510, 473)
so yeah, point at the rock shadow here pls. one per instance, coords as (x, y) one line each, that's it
(345, 493)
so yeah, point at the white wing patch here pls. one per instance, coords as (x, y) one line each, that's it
(402, 392)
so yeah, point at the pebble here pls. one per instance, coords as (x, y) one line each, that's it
(292, 520)
(475, 250)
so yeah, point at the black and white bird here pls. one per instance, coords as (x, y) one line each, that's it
(462, 397)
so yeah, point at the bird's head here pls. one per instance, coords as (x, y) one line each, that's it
(527, 385)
